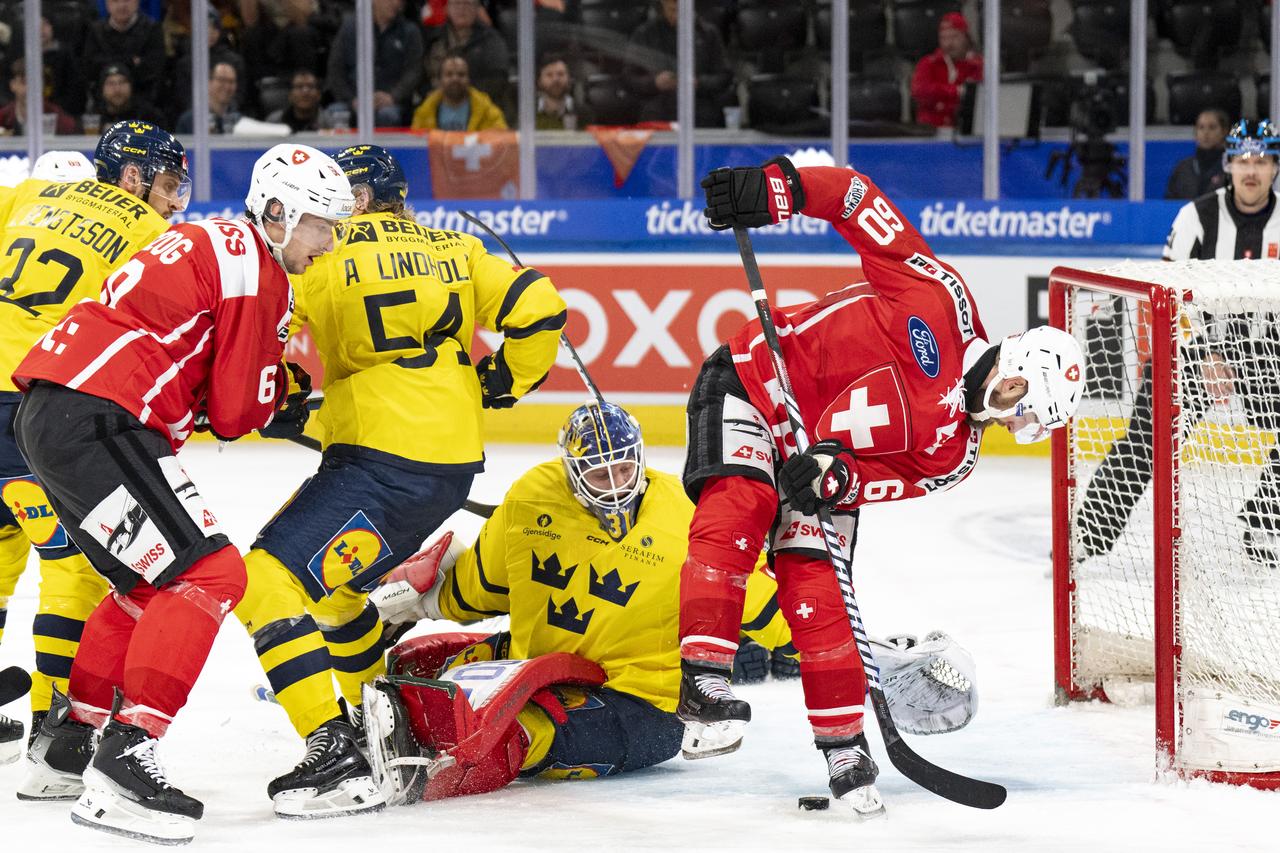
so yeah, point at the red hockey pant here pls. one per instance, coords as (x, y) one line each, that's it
(152, 643)
(729, 527)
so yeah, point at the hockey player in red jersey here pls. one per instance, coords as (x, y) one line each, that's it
(895, 379)
(190, 332)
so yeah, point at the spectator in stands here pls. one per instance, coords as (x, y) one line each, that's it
(397, 63)
(283, 38)
(1202, 172)
(457, 105)
(116, 100)
(130, 39)
(13, 115)
(177, 95)
(557, 109)
(651, 72)
(303, 113)
(935, 85)
(64, 82)
(485, 51)
(222, 101)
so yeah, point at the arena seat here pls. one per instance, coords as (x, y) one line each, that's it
(1189, 94)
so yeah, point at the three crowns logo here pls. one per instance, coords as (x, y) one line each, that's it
(549, 572)
(609, 588)
(566, 617)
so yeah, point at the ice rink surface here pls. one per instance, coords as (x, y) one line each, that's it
(972, 561)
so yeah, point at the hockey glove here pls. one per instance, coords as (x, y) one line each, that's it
(754, 196)
(291, 409)
(201, 424)
(406, 593)
(821, 477)
(495, 381)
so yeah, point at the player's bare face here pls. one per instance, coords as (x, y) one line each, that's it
(612, 478)
(311, 238)
(169, 194)
(1251, 180)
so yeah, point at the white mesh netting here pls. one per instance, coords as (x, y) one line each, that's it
(1228, 612)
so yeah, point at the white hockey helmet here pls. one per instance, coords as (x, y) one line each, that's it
(304, 180)
(63, 167)
(1051, 362)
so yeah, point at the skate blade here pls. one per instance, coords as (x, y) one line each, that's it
(358, 795)
(865, 803)
(102, 809)
(707, 740)
(44, 784)
(10, 751)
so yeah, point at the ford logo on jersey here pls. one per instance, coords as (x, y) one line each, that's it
(924, 346)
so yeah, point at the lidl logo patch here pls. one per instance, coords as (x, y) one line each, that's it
(350, 555)
(31, 509)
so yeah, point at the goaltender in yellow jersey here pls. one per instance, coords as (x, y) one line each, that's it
(393, 310)
(584, 553)
(59, 239)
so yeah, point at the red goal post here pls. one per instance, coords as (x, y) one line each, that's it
(1159, 590)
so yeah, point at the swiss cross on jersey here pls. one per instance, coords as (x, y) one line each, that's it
(870, 416)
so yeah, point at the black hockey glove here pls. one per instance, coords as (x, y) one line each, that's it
(201, 424)
(752, 196)
(291, 410)
(821, 477)
(495, 381)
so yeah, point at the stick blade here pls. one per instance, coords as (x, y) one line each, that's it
(974, 793)
(14, 684)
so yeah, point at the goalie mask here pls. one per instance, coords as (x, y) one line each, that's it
(1052, 364)
(603, 456)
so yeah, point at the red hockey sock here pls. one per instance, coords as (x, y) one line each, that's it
(98, 668)
(173, 638)
(830, 668)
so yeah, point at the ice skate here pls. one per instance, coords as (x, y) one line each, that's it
(333, 779)
(57, 754)
(10, 740)
(852, 776)
(126, 792)
(714, 718)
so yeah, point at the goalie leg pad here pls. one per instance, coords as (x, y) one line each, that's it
(467, 720)
(425, 657)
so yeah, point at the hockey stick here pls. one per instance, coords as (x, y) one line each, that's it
(564, 339)
(944, 783)
(14, 684)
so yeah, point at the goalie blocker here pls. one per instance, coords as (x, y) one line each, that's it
(455, 718)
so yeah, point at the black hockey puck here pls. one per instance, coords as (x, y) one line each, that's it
(815, 804)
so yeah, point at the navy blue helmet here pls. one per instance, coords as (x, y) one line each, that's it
(1256, 139)
(152, 149)
(374, 166)
(603, 455)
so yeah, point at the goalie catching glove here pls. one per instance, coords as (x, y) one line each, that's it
(753, 196)
(821, 477)
(931, 686)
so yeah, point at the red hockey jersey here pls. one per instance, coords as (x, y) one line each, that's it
(200, 316)
(878, 365)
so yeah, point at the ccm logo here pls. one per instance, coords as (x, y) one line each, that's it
(781, 198)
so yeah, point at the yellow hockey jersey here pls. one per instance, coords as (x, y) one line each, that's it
(543, 558)
(393, 311)
(58, 241)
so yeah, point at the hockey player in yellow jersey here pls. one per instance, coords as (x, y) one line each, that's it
(583, 554)
(59, 239)
(392, 311)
